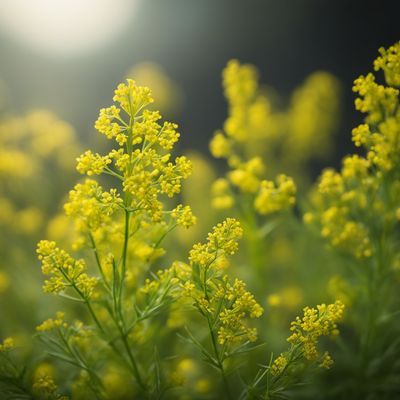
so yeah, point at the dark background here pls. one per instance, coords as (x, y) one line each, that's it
(193, 40)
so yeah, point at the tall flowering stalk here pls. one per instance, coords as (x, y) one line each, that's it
(357, 211)
(123, 228)
(226, 306)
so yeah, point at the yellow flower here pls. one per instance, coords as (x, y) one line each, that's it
(220, 146)
(51, 323)
(7, 344)
(316, 322)
(279, 365)
(389, 62)
(183, 216)
(275, 197)
(65, 271)
(92, 164)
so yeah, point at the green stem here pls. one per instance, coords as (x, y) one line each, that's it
(227, 389)
(81, 362)
(110, 343)
(135, 368)
(212, 335)
(98, 262)
(125, 249)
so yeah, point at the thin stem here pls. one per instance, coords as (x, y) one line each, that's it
(214, 344)
(135, 368)
(98, 262)
(220, 364)
(124, 258)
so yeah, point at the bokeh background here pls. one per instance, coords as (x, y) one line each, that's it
(67, 56)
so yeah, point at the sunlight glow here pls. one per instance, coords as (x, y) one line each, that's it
(65, 27)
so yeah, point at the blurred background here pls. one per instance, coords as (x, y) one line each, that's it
(68, 55)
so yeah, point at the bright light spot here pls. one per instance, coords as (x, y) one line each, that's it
(65, 26)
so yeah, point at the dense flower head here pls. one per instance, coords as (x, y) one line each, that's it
(53, 323)
(378, 135)
(183, 216)
(247, 176)
(338, 202)
(316, 322)
(389, 62)
(142, 160)
(92, 164)
(275, 197)
(229, 304)
(221, 241)
(306, 332)
(90, 206)
(65, 271)
(132, 97)
(349, 204)
(240, 305)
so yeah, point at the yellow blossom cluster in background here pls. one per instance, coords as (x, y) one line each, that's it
(259, 141)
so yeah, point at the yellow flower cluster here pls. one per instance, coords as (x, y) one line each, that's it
(340, 198)
(306, 331)
(275, 197)
(220, 242)
(105, 124)
(7, 344)
(65, 271)
(255, 134)
(91, 208)
(316, 322)
(359, 200)
(92, 164)
(45, 384)
(142, 162)
(229, 304)
(132, 98)
(389, 62)
(246, 176)
(379, 135)
(243, 142)
(279, 365)
(51, 323)
(45, 387)
(239, 305)
(374, 98)
(183, 216)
